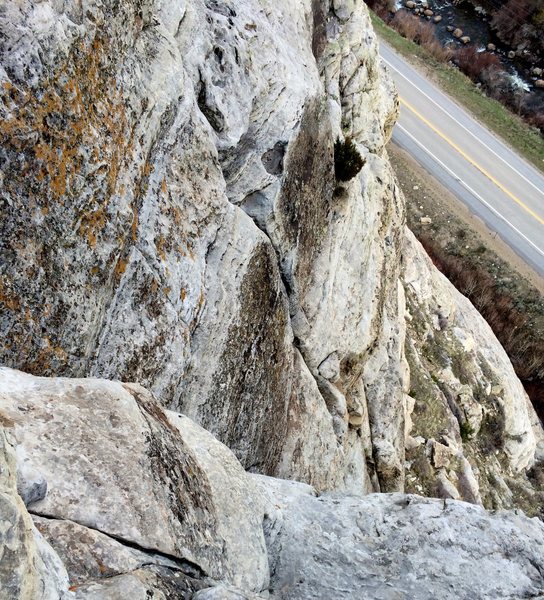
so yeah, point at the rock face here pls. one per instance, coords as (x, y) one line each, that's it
(472, 432)
(397, 546)
(238, 536)
(171, 216)
(29, 568)
(164, 221)
(127, 470)
(162, 225)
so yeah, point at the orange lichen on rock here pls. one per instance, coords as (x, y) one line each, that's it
(79, 106)
(9, 300)
(120, 267)
(160, 244)
(91, 223)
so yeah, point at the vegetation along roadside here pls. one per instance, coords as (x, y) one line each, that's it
(429, 55)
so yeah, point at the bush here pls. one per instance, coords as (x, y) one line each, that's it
(347, 160)
(474, 63)
(466, 430)
(518, 21)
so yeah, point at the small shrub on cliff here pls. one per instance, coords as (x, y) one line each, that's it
(347, 160)
(466, 430)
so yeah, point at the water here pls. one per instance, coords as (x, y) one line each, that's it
(475, 23)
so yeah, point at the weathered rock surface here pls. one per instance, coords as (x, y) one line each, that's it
(161, 584)
(256, 536)
(398, 546)
(471, 422)
(170, 216)
(29, 568)
(118, 467)
(164, 222)
(89, 554)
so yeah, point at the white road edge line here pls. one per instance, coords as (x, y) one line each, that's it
(473, 192)
(465, 128)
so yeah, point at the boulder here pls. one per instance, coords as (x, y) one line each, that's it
(428, 12)
(537, 71)
(457, 33)
(465, 39)
(491, 47)
(441, 455)
(397, 546)
(539, 83)
(115, 462)
(410, 4)
(437, 18)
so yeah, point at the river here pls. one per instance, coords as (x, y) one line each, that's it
(475, 23)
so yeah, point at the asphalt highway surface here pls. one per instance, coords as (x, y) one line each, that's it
(497, 185)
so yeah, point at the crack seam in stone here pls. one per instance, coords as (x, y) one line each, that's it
(185, 565)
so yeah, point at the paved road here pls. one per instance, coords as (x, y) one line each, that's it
(492, 180)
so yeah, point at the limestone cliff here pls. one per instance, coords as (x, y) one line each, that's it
(472, 433)
(172, 216)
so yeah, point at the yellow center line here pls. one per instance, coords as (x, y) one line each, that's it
(474, 163)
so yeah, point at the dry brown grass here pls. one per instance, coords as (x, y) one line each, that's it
(422, 33)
